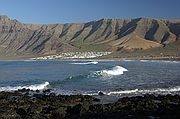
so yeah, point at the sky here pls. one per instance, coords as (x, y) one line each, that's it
(75, 11)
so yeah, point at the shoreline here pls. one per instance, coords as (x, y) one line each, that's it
(23, 104)
(99, 59)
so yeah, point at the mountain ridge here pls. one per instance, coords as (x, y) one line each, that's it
(18, 39)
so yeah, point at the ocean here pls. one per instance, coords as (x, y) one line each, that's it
(89, 77)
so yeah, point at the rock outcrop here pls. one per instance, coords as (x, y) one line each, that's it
(18, 105)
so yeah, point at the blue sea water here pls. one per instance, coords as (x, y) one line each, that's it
(123, 77)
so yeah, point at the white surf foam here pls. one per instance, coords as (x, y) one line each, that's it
(93, 62)
(144, 60)
(150, 91)
(117, 70)
(161, 90)
(122, 92)
(31, 87)
(160, 61)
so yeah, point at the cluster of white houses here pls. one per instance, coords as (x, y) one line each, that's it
(73, 55)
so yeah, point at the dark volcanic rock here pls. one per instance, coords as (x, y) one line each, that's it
(21, 112)
(17, 105)
(100, 93)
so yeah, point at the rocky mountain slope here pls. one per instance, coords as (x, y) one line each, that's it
(18, 39)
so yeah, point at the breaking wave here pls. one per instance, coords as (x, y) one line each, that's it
(117, 70)
(158, 91)
(93, 62)
(150, 91)
(31, 87)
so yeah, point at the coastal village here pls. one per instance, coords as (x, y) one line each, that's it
(72, 55)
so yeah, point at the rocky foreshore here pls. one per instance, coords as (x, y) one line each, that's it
(25, 104)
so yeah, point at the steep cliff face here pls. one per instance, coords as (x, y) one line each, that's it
(22, 39)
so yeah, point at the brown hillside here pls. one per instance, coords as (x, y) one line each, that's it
(18, 39)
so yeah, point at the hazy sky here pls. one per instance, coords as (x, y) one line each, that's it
(65, 11)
